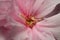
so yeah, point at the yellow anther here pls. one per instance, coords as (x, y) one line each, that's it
(31, 21)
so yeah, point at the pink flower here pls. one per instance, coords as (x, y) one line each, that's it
(30, 20)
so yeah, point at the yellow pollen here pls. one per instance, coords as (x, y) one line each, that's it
(31, 21)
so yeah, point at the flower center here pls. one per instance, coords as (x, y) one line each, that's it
(30, 21)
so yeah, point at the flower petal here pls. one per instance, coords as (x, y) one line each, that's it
(52, 25)
(40, 34)
(4, 6)
(47, 7)
(25, 5)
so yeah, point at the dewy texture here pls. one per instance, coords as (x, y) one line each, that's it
(29, 19)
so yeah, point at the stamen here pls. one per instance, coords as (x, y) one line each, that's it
(30, 21)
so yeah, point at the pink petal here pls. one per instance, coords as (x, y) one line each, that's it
(25, 5)
(46, 7)
(34, 34)
(51, 24)
(3, 12)
(40, 31)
